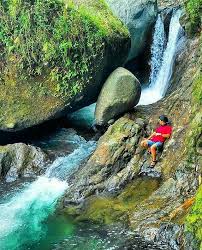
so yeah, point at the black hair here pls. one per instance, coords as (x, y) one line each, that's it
(164, 118)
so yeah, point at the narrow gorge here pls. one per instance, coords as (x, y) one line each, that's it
(82, 83)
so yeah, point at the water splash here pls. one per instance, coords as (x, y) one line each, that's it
(158, 87)
(23, 217)
(62, 166)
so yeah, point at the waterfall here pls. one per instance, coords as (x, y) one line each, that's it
(162, 66)
(22, 218)
(157, 49)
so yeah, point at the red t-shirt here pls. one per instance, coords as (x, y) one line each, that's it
(166, 129)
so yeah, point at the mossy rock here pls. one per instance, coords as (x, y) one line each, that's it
(56, 59)
(109, 210)
(194, 220)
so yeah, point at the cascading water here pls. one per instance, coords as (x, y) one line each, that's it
(162, 66)
(157, 49)
(23, 216)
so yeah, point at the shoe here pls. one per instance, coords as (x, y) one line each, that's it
(153, 163)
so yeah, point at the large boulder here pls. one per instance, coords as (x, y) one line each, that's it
(139, 16)
(120, 93)
(57, 60)
(21, 160)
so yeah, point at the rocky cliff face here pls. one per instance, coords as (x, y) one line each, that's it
(118, 159)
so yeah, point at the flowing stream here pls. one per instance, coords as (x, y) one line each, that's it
(27, 217)
(22, 217)
(162, 61)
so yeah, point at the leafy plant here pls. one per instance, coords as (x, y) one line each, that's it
(194, 10)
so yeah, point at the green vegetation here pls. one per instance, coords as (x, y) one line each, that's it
(194, 219)
(197, 90)
(60, 39)
(194, 11)
(194, 137)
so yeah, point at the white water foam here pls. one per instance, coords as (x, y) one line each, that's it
(160, 83)
(22, 218)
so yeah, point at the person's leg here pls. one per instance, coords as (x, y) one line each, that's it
(144, 143)
(147, 144)
(154, 149)
(153, 152)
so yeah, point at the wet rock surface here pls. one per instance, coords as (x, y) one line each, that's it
(21, 160)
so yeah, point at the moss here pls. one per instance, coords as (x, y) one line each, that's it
(110, 210)
(104, 210)
(194, 11)
(197, 90)
(194, 219)
(26, 102)
(193, 140)
(3, 149)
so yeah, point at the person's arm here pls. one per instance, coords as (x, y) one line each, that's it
(153, 134)
(164, 135)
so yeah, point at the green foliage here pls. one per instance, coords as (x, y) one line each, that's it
(194, 10)
(194, 219)
(55, 37)
(197, 90)
(193, 140)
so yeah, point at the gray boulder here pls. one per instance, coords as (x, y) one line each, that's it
(138, 16)
(120, 93)
(21, 160)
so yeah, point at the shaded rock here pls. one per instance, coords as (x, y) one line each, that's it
(138, 16)
(170, 234)
(120, 93)
(21, 160)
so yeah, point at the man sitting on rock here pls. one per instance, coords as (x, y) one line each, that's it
(155, 140)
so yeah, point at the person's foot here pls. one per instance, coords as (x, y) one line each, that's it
(149, 151)
(153, 163)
